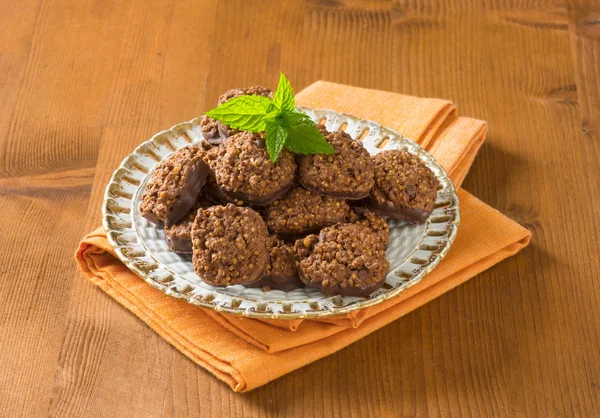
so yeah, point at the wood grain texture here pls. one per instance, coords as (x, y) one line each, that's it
(82, 83)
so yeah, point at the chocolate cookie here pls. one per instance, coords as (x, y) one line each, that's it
(210, 130)
(347, 174)
(301, 212)
(347, 260)
(282, 270)
(244, 171)
(179, 234)
(224, 130)
(250, 91)
(175, 185)
(229, 245)
(304, 246)
(405, 188)
(210, 155)
(362, 216)
(215, 194)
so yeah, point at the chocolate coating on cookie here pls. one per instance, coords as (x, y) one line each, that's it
(300, 212)
(224, 130)
(282, 270)
(347, 260)
(229, 245)
(216, 195)
(213, 192)
(175, 185)
(179, 234)
(210, 155)
(210, 130)
(405, 188)
(244, 171)
(347, 174)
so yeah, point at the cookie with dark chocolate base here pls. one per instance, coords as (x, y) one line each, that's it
(175, 185)
(347, 260)
(229, 245)
(347, 174)
(405, 188)
(179, 234)
(282, 270)
(210, 130)
(216, 195)
(244, 171)
(300, 212)
(226, 131)
(210, 154)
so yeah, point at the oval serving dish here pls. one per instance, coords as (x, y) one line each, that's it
(414, 250)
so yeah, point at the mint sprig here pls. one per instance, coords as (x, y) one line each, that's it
(299, 127)
(284, 125)
(283, 98)
(277, 135)
(244, 112)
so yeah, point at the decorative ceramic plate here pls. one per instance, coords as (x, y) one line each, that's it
(414, 250)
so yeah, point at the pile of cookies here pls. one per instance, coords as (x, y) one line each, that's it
(304, 220)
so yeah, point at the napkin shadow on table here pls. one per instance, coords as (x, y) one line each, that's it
(247, 353)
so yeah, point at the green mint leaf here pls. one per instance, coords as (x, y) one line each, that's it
(243, 112)
(303, 136)
(283, 99)
(271, 115)
(275, 137)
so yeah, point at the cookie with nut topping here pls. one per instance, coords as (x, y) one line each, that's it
(175, 185)
(301, 212)
(210, 130)
(405, 188)
(229, 245)
(244, 171)
(282, 269)
(362, 216)
(347, 260)
(347, 174)
(179, 234)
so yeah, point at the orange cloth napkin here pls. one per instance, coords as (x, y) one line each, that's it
(247, 353)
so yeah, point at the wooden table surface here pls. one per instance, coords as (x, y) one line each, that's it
(83, 82)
